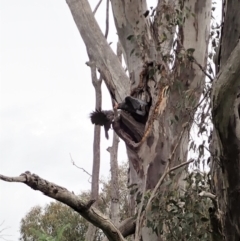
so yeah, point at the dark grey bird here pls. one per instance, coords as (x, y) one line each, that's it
(103, 118)
(137, 108)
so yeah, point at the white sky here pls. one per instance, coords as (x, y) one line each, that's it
(46, 96)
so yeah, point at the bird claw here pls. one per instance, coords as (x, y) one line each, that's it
(115, 106)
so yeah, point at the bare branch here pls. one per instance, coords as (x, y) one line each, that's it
(97, 6)
(79, 167)
(204, 97)
(3, 229)
(99, 50)
(180, 165)
(203, 70)
(107, 19)
(2, 235)
(61, 194)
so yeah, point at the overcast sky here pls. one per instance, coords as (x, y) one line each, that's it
(46, 96)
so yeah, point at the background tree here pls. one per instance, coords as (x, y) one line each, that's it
(50, 220)
(165, 49)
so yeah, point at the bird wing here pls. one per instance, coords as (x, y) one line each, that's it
(137, 105)
(103, 118)
(98, 117)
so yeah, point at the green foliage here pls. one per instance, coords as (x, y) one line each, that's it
(51, 223)
(42, 236)
(182, 214)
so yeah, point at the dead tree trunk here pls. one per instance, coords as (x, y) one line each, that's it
(90, 235)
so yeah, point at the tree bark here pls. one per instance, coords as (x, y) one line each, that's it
(226, 145)
(225, 167)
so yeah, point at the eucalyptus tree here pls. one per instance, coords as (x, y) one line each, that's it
(166, 49)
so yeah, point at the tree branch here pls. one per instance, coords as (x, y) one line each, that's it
(180, 165)
(79, 167)
(107, 19)
(97, 6)
(126, 227)
(61, 194)
(106, 61)
(203, 69)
